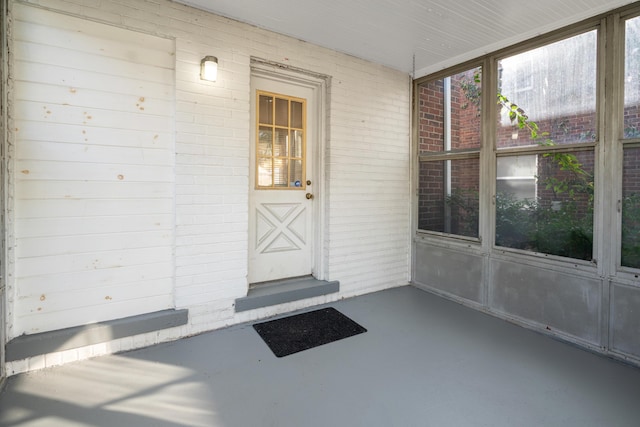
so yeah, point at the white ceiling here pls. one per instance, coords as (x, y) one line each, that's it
(390, 32)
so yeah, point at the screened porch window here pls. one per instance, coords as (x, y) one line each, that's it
(630, 254)
(556, 179)
(630, 204)
(449, 150)
(546, 138)
(516, 175)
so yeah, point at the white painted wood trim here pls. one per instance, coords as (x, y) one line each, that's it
(320, 83)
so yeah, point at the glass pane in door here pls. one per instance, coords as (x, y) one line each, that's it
(280, 143)
(282, 112)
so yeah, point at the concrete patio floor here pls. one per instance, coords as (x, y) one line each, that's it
(424, 361)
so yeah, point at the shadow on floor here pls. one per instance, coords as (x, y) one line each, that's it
(424, 361)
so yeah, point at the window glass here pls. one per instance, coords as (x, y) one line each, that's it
(280, 151)
(266, 109)
(544, 203)
(296, 114)
(448, 197)
(630, 254)
(281, 172)
(632, 79)
(553, 88)
(449, 124)
(281, 146)
(516, 175)
(282, 112)
(295, 174)
(265, 171)
(265, 141)
(296, 143)
(450, 113)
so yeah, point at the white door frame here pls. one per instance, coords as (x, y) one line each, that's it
(320, 85)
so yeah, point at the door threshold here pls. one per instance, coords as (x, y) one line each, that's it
(286, 290)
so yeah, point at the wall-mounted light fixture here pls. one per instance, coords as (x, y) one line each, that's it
(209, 68)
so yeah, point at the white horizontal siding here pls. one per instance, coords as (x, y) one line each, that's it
(97, 278)
(89, 226)
(94, 172)
(68, 245)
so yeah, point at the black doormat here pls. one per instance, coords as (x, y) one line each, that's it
(307, 330)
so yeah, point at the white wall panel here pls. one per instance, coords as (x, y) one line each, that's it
(94, 171)
(367, 162)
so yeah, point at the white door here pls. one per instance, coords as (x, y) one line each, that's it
(281, 196)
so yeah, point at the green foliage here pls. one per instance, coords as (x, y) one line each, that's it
(465, 211)
(565, 161)
(564, 232)
(559, 231)
(472, 92)
(632, 132)
(575, 180)
(630, 255)
(529, 225)
(514, 225)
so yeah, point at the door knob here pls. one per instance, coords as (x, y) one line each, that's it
(309, 196)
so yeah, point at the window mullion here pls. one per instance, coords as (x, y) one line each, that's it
(487, 155)
(608, 177)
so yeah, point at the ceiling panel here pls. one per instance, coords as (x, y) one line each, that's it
(391, 32)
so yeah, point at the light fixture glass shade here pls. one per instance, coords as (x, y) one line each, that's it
(209, 68)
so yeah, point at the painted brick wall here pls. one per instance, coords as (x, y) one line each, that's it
(367, 161)
(369, 177)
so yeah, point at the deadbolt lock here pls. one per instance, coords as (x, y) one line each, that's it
(308, 182)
